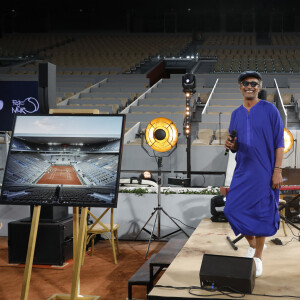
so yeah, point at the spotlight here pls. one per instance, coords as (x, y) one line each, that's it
(161, 134)
(147, 175)
(288, 140)
(189, 83)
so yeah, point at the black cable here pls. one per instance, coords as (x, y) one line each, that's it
(289, 226)
(222, 292)
(293, 238)
(183, 223)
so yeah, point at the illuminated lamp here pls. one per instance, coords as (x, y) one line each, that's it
(146, 175)
(161, 134)
(288, 140)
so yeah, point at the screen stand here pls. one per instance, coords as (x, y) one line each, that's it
(30, 251)
(79, 233)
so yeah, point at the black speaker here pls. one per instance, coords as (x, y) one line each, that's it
(47, 87)
(229, 273)
(43, 75)
(54, 242)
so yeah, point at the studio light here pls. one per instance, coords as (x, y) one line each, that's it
(288, 140)
(146, 175)
(161, 134)
(189, 83)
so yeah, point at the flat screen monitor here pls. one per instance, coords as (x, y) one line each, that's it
(69, 160)
(17, 97)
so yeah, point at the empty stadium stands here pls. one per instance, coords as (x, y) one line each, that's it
(96, 71)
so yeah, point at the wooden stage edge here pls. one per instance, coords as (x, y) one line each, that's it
(281, 266)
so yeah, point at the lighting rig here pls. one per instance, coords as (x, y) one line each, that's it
(161, 135)
(189, 88)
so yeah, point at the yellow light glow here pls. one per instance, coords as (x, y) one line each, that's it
(169, 133)
(288, 140)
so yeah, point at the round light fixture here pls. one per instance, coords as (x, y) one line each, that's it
(288, 140)
(161, 134)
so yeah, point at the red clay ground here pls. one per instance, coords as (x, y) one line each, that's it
(60, 175)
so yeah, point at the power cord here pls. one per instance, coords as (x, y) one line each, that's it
(183, 223)
(222, 292)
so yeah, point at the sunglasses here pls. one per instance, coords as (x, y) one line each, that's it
(252, 83)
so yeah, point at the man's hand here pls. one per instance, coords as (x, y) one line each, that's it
(229, 144)
(277, 179)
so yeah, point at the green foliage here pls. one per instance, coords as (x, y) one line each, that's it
(138, 191)
(141, 191)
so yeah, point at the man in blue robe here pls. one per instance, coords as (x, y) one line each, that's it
(251, 205)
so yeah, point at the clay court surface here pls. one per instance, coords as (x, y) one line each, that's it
(60, 175)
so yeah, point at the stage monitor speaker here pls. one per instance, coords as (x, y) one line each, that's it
(54, 242)
(228, 273)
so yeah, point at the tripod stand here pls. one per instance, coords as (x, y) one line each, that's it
(282, 217)
(157, 211)
(284, 206)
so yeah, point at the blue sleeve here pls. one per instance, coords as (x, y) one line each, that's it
(278, 130)
(232, 126)
(232, 122)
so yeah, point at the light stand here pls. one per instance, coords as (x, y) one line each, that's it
(159, 209)
(188, 84)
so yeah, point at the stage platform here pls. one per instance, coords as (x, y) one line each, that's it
(281, 264)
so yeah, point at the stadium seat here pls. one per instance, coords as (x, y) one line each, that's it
(109, 230)
(204, 137)
(221, 135)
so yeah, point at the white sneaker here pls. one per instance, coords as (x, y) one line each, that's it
(251, 251)
(259, 267)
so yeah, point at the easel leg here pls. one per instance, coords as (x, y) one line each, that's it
(78, 253)
(30, 252)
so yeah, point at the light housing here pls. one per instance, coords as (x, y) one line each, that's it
(288, 140)
(146, 175)
(189, 83)
(161, 134)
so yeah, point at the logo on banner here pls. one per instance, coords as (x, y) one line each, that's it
(28, 106)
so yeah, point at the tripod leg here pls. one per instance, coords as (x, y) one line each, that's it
(289, 222)
(143, 228)
(150, 239)
(180, 229)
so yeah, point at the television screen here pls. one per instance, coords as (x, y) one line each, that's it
(17, 97)
(69, 160)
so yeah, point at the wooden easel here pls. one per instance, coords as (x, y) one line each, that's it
(79, 231)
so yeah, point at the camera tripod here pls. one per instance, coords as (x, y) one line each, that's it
(157, 213)
(281, 207)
